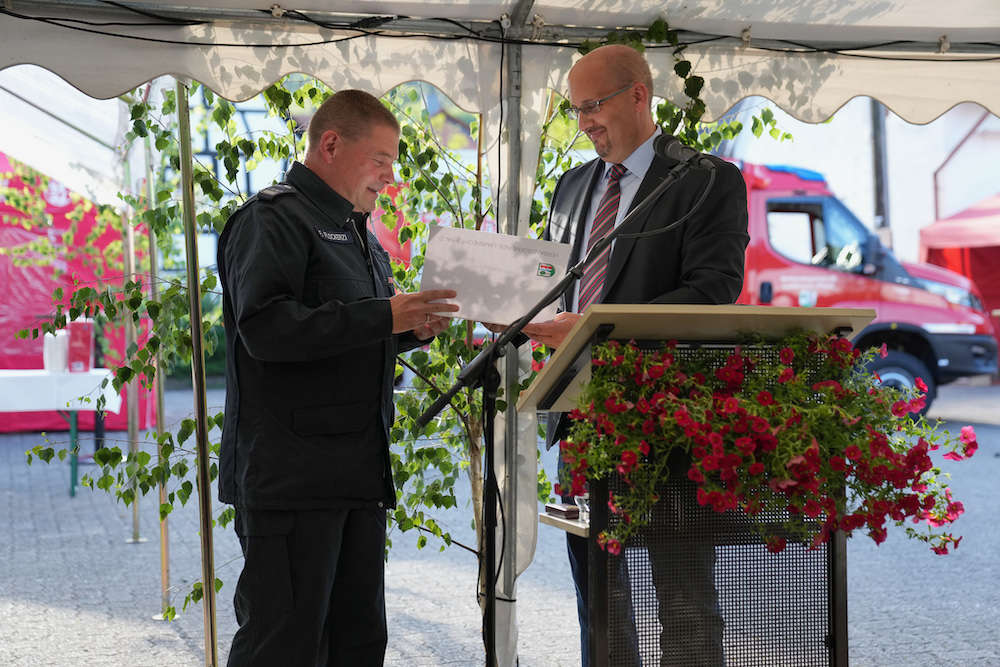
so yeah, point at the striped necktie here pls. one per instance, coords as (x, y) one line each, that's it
(604, 221)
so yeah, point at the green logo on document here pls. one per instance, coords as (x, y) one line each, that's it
(546, 270)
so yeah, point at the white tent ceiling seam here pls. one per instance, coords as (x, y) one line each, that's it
(809, 85)
(733, 68)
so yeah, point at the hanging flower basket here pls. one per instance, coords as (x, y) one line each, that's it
(794, 426)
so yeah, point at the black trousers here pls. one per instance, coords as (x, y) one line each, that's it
(312, 588)
(687, 603)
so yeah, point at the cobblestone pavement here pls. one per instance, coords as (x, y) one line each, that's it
(74, 592)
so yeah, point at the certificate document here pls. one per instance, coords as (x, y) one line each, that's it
(498, 277)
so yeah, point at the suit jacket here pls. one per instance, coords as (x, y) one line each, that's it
(698, 262)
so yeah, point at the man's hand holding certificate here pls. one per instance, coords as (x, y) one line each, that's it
(501, 276)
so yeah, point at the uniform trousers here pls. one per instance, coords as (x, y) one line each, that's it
(312, 588)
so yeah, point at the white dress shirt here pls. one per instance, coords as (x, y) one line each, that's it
(636, 164)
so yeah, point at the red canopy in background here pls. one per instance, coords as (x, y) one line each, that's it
(26, 298)
(969, 243)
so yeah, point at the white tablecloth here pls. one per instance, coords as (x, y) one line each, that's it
(40, 391)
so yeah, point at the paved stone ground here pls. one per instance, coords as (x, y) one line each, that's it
(908, 606)
(74, 592)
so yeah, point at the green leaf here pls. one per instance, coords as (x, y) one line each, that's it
(693, 85)
(184, 492)
(102, 456)
(187, 428)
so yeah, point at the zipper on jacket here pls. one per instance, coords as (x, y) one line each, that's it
(365, 250)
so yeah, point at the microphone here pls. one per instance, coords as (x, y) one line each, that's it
(669, 146)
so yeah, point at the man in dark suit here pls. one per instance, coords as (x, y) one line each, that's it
(699, 261)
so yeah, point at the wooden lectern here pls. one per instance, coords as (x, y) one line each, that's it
(788, 608)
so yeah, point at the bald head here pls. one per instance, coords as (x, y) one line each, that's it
(621, 63)
(618, 79)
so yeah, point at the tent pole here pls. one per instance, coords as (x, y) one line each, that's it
(198, 378)
(132, 387)
(154, 292)
(519, 18)
(507, 650)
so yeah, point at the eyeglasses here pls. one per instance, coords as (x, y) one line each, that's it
(593, 107)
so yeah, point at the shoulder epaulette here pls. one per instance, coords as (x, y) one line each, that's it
(276, 190)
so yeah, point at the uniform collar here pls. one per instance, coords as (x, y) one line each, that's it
(305, 180)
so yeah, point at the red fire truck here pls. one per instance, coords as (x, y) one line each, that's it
(808, 249)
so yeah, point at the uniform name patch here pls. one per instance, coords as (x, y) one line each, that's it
(334, 237)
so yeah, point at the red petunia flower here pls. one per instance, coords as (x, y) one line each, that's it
(776, 544)
(629, 458)
(968, 438)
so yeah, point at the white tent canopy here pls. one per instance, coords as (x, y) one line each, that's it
(67, 136)
(939, 56)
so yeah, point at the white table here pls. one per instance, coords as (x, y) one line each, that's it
(67, 393)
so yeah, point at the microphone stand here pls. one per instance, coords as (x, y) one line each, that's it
(482, 372)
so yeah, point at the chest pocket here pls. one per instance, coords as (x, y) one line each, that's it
(345, 290)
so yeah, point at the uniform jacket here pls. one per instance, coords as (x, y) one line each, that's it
(698, 262)
(310, 352)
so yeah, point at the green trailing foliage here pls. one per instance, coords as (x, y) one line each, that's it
(435, 186)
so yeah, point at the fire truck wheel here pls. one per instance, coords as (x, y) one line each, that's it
(899, 369)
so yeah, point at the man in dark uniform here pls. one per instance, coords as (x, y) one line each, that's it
(312, 330)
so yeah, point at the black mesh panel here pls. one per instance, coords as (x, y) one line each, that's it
(698, 588)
